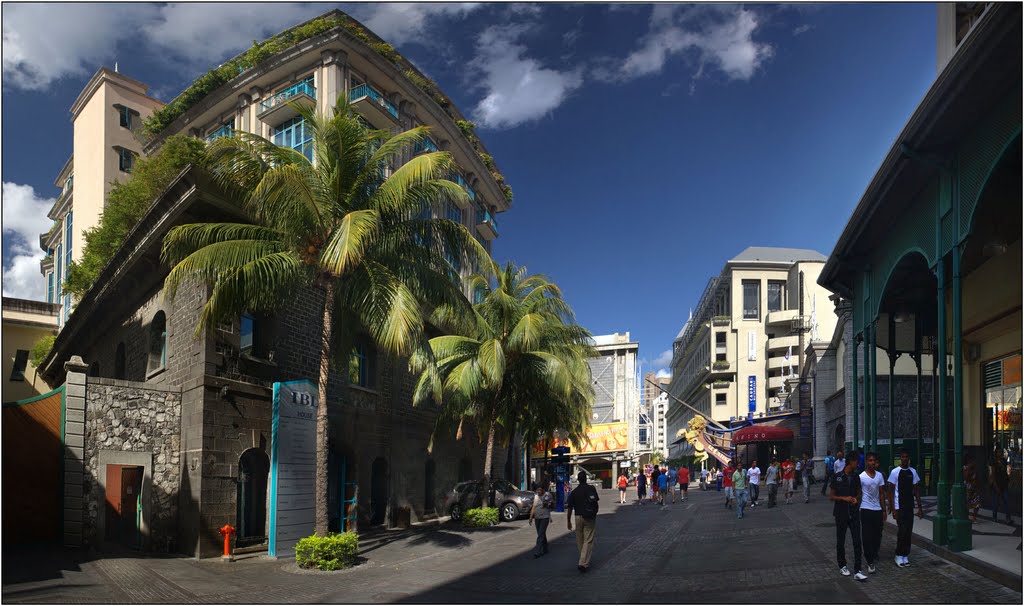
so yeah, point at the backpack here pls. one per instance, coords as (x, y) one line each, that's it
(589, 509)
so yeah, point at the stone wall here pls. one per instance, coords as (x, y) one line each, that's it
(131, 417)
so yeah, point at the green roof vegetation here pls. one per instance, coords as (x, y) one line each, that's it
(262, 51)
(127, 202)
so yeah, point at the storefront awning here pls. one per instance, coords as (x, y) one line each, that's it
(762, 433)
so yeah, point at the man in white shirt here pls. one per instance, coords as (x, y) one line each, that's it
(840, 463)
(903, 487)
(872, 509)
(754, 476)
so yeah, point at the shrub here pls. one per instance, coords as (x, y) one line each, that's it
(480, 517)
(333, 552)
(127, 202)
(41, 349)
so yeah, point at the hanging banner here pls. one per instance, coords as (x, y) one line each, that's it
(604, 437)
(752, 393)
(292, 466)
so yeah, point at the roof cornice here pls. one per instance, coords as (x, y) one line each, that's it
(102, 75)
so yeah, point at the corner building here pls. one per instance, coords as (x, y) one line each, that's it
(187, 419)
(740, 353)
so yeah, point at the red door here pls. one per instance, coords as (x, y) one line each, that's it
(123, 504)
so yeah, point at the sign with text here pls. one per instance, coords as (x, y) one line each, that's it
(604, 437)
(292, 466)
(752, 393)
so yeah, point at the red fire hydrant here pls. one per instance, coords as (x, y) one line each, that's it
(227, 531)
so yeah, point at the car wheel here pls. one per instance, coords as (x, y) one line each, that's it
(456, 512)
(509, 512)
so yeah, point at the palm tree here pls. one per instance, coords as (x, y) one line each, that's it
(345, 225)
(517, 360)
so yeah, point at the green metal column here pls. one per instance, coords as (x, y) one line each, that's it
(959, 526)
(917, 362)
(856, 431)
(940, 530)
(873, 372)
(893, 356)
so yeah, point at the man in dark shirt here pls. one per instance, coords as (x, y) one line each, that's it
(846, 494)
(583, 500)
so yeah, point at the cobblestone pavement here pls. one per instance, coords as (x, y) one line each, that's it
(692, 552)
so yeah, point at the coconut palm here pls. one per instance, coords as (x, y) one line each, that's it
(346, 226)
(518, 360)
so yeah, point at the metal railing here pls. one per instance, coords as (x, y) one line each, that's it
(483, 215)
(365, 90)
(426, 145)
(306, 88)
(225, 131)
(461, 181)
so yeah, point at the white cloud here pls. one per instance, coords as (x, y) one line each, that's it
(44, 42)
(518, 89)
(663, 359)
(802, 29)
(24, 217)
(398, 23)
(663, 374)
(722, 37)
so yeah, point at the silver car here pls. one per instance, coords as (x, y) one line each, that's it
(510, 501)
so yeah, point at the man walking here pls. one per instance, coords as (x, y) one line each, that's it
(807, 475)
(903, 486)
(872, 509)
(839, 463)
(543, 503)
(684, 482)
(703, 478)
(655, 472)
(727, 482)
(771, 480)
(641, 487)
(846, 494)
(583, 501)
(672, 479)
(662, 487)
(788, 479)
(739, 489)
(830, 462)
(754, 478)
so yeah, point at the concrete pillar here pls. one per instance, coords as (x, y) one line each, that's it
(74, 450)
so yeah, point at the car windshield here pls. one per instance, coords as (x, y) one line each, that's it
(502, 485)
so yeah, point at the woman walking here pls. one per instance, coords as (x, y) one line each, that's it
(543, 503)
(623, 483)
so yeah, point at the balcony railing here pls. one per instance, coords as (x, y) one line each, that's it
(424, 146)
(484, 217)
(458, 178)
(225, 131)
(302, 88)
(365, 90)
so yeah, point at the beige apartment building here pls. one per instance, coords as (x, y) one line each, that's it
(24, 323)
(741, 351)
(107, 117)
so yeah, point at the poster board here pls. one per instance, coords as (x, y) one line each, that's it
(292, 466)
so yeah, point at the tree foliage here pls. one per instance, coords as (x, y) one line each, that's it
(41, 349)
(127, 202)
(517, 361)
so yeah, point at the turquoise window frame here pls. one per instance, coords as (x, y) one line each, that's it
(359, 375)
(49, 287)
(295, 134)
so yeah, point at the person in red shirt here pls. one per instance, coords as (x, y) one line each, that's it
(684, 481)
(727, 482)
(623, 483)
(788, 477)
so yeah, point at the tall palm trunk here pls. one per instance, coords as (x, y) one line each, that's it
(321, 414)
(487, 461)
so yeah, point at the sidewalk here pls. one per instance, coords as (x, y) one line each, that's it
(996, 546)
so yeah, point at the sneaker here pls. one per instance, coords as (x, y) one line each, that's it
(871, 568)
(844, 571)
(860, 576)
(906, 561)
(899, 561)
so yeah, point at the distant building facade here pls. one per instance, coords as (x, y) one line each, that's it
(24, 323)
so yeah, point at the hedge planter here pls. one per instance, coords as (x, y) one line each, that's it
(481, 517)
(333, 552)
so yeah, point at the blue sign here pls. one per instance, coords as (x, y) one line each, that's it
(752, 393)
(292, 466)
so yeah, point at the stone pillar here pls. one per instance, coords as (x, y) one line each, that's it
(74, 449)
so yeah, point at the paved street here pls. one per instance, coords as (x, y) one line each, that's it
(693, 552)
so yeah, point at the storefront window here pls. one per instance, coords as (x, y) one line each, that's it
(1003, 411)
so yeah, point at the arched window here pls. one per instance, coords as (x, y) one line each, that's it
(361, 364)
(94, 369)
(157, 342)
(119, 362)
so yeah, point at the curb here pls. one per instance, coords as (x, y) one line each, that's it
(989, 571)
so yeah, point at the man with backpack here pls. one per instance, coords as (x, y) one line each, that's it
(583, 501)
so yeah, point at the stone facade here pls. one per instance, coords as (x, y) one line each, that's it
(130, 417)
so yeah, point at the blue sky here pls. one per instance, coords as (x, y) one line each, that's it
(631, 134)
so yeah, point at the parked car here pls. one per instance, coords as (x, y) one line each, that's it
(511, 502)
